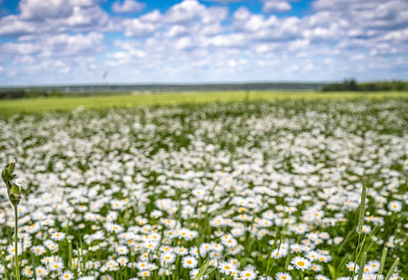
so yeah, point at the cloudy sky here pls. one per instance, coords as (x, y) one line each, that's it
(128, 41)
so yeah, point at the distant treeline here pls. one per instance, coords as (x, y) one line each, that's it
(26, 93)
(352, 85)
(87, 90)
(97, 90)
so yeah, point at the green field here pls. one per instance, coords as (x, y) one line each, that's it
(301, 188)
(8, 107)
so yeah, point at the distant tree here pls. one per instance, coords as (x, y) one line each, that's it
(346, 85)
(352, 85)
(26, 93)
(400, 86)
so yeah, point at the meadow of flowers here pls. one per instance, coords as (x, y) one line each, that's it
(261, 190)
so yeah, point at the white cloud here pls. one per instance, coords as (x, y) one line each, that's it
(397, 36)
(53, 58)
(190, 10)
(214, 14)
(138, 28)
(41, 9)
(330, 32)
(58, 45)
(11, 25)
(227, 40)
(298, 45)
(248, 22)
(373, 14)
(212, 29)
(185, 11)
(83, 3)
(74, 44)
(176, 30)
(308, 66)
(186, 18)
(122, 58)
(254, 23)
(20, 48)
(276, 6)
(357, 57)
(152, 16)
(184, 43)
(50, 16)
(345, 4)
(89, 17)
(365, 26)
(225, 1)
(242, 14)
(128, 6)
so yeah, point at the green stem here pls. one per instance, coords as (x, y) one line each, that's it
(70, 254)
(16, 241)
(346, 240)
(356, 257)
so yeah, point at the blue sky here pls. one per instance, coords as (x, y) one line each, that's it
(192, 41)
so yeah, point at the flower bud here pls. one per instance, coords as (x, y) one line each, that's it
(4, 175)
(14, 194)
(10, 168)
(7, 172)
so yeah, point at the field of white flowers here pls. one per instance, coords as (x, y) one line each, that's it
(263, 190)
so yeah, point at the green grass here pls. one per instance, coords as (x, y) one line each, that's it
(8, 107)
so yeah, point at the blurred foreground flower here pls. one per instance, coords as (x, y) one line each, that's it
(14, 194)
